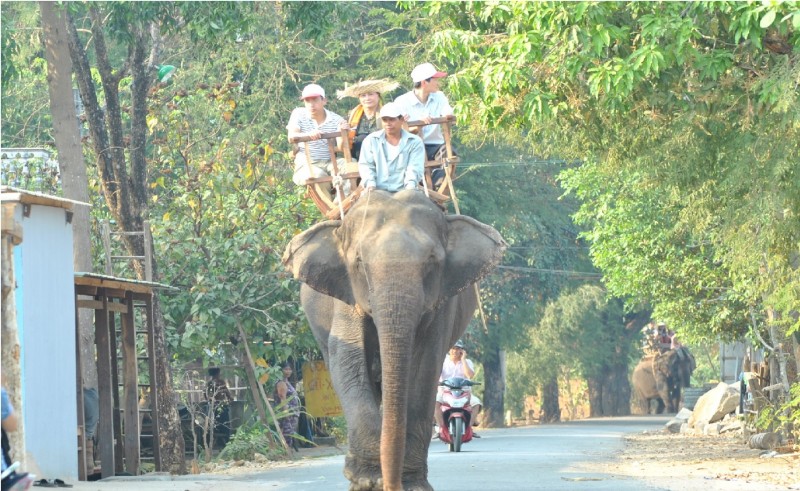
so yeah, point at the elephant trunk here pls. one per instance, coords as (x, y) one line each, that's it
(397, 315)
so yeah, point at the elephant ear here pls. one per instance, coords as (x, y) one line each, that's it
(313, 257)
(473, 251)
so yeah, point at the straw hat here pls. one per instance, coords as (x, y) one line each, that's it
(363, 87)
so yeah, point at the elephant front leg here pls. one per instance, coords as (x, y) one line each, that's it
(421, 396)
(356, 387)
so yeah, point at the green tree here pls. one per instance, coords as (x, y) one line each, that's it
(586, 330)
(684, 116)
(519, 196)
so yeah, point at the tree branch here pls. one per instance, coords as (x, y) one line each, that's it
(139, 89)
(94, 115)
(116, 149)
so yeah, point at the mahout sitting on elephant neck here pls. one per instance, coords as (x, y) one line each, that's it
(387, 291)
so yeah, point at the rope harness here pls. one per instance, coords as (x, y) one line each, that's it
(361, 240)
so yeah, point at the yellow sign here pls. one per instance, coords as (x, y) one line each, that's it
(321, 399)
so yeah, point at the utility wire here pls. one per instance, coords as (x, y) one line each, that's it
(582, 274)
(539, 163)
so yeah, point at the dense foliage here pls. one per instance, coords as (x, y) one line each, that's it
(685, 118)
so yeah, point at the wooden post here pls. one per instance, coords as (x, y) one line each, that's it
(130, 381)
(82, 476)
(332, 150)
(119, 447)
(447, 141)
(336, 186)
(105, 425)
(346, 146)
(308, 161)
(151, 367)
(258, 391)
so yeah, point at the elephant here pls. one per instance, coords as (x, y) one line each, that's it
(387, 291)
(661, 377)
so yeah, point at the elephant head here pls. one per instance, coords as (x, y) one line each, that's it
(398, 262)
(384, 235)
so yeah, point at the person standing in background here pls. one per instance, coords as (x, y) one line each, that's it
(219, 399)
(288, 403)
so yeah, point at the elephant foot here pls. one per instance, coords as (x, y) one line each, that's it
(417, 485)
(365, 484)
(363, 474)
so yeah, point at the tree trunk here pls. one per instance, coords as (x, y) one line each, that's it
(551, 412)
(71, 165)
(616, 392)
(596, 388)
(9, 336)
(493, 390)
(172, 445)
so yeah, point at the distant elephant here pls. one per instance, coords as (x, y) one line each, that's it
(660, 377)
(387, 291)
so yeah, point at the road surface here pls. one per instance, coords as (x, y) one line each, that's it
(564, 457)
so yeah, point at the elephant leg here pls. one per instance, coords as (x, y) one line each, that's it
(422, 396)
(352, 378)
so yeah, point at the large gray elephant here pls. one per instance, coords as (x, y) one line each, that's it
(661, 377)
(387, 291)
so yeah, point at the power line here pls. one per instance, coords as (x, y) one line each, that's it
(527, 248)
(539, 163)
(581, 274)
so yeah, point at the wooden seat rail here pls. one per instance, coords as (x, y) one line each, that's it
(450, 161)
(318, 186)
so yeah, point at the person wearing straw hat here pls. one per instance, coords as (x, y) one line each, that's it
(312, 120)
(364, 119)
(424, 103)
(391, 159)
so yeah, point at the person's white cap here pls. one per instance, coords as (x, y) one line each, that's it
(425, 71)
(313, 90)
(391, 110)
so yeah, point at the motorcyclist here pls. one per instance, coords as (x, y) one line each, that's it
(457, 365)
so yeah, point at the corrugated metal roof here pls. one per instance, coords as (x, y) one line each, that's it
(105, 280)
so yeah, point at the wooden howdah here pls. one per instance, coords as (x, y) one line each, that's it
(322, 192)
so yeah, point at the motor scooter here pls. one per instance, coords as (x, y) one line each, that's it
(456, 412)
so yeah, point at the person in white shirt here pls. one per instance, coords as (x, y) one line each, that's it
(391, 159)
(425, 102)
(312, 120)
(457, 365)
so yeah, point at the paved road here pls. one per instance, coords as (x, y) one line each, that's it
(561, 457)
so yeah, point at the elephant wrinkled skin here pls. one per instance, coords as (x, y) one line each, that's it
(387, 291)
(660, 377)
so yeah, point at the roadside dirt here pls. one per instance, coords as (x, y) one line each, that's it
(260, 463)
(680, 461)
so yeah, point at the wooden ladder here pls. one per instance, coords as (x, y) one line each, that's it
(147, 258)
